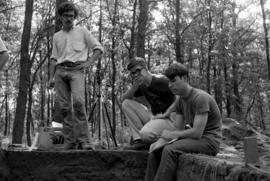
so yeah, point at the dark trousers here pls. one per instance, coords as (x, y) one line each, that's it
(162, 163)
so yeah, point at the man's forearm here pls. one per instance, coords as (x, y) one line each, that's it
(52, 68)
(181, 134)
(96, 55)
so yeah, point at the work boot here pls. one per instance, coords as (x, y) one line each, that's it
(138, 145)
(85, 146)
(69, 146)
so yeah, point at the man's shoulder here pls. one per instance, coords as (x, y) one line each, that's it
(201, 95)
(81, 29)
(159, 76)
(58, 34)
(200, 92)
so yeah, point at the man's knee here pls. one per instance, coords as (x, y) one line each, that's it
(63, 106)
(168, 150)
(64, 110)
(127, 104)
(172, 151)
(78, 105)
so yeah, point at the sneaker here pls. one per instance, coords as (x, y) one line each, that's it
(138, 145)
(85, 146)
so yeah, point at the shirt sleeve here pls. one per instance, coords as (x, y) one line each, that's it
(54, 49)
(2, 46)
(201, 104)
(92, 42)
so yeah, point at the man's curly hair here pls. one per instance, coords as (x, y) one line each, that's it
(67, 6)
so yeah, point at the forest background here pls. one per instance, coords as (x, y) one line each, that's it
(224, 43)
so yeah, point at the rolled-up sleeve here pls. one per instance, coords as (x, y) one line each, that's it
(92, 42)
(54, 49)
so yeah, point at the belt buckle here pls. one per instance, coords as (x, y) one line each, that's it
(67, 64)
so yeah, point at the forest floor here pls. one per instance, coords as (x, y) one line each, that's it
(233, 147)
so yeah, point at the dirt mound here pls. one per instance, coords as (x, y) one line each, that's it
(232, 147)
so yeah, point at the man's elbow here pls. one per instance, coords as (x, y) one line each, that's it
(197, 134)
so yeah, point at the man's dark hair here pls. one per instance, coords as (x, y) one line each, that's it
(67, 6)
(136, 61)
(176, 69)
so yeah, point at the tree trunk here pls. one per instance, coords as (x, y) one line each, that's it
(235, 68)
(133, 34)
(6, 106)
(29, 119)
(262, 2)
(149, 54)
(86, 94)
(218, 89)
(177, 33)
(209, 57)
(227, 91)
(222, 56)
(142, 22)
(24, 75)
(114, 69)
(260, 107)
(99, 79)
(50, 98)
(42, 92)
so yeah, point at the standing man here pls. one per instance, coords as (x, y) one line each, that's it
(69, 59)
(194, 107)
(146, 128)
(3, 54)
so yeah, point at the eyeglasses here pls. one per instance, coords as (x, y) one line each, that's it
(66, 16)
(136, 71)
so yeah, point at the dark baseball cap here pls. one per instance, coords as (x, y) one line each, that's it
(136, 61)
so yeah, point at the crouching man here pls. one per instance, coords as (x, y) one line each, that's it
(147, 123)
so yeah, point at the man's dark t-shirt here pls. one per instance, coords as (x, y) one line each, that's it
(158, 94)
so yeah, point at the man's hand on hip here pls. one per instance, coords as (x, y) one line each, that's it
(51, 83)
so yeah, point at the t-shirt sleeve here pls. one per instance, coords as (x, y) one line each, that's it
(201, 104)
(2, 46)
(92, 42)
(54, 49)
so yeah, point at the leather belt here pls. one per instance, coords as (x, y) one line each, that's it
(68, 64)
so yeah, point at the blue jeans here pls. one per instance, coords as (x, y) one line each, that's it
(162, 163)
(70, 102)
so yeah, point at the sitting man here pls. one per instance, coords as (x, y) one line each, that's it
(194, 107)
(156, 91)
